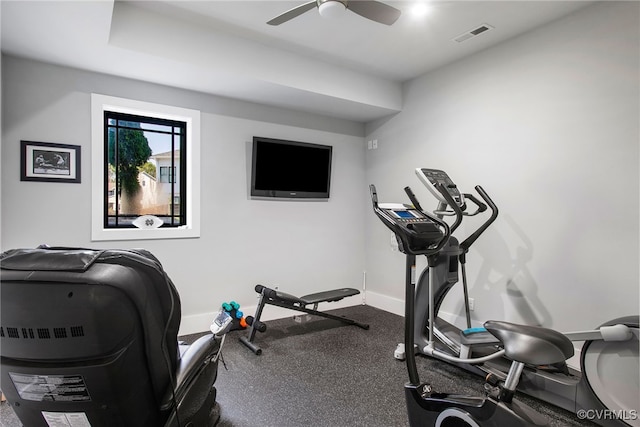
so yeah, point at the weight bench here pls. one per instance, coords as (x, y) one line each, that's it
(284, 300)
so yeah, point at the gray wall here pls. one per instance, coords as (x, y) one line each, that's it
(302, 246)
(548, 124)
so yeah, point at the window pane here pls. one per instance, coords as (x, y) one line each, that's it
(157, 127)
(129, 124)
(144, 170)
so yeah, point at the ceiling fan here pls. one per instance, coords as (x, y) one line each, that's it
(370, 9)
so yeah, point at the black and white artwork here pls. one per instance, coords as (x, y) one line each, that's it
(46, 161)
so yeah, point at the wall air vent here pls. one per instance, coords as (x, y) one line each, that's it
(473, 33)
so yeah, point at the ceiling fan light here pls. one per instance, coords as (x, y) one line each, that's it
(331, 9)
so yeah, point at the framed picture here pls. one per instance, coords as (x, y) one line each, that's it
(49, 162)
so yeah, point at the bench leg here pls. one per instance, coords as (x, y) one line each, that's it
(248, 340)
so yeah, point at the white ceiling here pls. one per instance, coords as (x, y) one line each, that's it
(350, 67)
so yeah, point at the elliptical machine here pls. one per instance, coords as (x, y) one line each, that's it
(419, 233)
(607, 387)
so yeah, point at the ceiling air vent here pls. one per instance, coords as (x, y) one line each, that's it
(473, 33)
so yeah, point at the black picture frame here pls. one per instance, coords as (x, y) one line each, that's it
(49, 162)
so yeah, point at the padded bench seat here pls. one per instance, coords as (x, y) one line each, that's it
(329, 296)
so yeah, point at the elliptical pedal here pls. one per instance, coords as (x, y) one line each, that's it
(477, 336)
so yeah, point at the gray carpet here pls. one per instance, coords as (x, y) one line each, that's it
(322, 373)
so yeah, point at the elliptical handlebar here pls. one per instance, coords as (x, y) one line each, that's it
(442, 187)
(481, 207)
(494, 214)
(413, 198)
(374, 196)
(456, 209)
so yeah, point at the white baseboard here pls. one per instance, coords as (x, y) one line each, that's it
(385, 302)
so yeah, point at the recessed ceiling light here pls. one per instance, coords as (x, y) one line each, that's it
(420, 9)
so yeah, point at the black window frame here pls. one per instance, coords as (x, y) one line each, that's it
(181, 166)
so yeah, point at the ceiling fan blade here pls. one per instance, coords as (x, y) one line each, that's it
(374, 10)
(292, 13)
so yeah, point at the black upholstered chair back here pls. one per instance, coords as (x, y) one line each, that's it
(87, 333)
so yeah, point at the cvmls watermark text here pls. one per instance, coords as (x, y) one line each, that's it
(607, 414)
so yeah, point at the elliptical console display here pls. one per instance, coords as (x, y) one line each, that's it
(433, 177)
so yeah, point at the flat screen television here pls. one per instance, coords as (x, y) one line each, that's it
(290, 169)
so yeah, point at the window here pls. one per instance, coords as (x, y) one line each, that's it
(136, 182)
(167, 173)
(145, 159)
